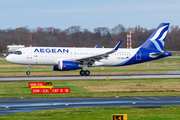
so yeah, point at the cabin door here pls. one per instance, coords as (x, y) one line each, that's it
(29, 54)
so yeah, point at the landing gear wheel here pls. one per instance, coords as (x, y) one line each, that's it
(28, 73)
(87, 72)
(82, 72)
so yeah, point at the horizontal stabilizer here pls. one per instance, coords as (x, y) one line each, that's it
(153, 55)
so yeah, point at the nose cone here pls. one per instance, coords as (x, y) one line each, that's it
(9, 58)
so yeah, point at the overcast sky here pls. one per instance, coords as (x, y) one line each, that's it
(88, 13)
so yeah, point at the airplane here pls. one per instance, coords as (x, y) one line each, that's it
(70, 58)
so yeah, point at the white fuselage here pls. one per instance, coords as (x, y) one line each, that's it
(51, 55)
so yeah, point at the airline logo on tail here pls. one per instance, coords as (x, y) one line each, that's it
(157, 38)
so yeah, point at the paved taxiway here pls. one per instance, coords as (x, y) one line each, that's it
(32, 104)
(32, 78)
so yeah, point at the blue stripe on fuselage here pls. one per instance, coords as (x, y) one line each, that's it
(144, 57)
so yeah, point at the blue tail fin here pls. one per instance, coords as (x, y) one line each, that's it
(157, 39)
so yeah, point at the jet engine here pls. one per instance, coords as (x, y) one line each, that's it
(66, 65)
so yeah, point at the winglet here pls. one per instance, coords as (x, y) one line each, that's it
(96, 46)
(117, 46)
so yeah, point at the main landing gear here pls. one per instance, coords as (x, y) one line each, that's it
(86, 72)
(28, 72)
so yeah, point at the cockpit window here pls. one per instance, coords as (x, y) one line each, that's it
(17, 52)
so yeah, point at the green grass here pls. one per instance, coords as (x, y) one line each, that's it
(99, 113)
(165, 65)
(136, 87)
(176, 55)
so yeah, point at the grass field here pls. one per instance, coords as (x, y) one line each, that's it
(99, 113)
(97, 88)
(161, 66)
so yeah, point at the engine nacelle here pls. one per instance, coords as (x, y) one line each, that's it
(66, 65)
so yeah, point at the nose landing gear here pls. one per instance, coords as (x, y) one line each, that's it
(28, 72)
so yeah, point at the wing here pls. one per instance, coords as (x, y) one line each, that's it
(89, 60)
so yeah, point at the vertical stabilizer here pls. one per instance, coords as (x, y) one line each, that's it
(157, 39)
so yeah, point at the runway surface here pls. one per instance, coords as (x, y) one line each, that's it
(33, 78)
(12, 105)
